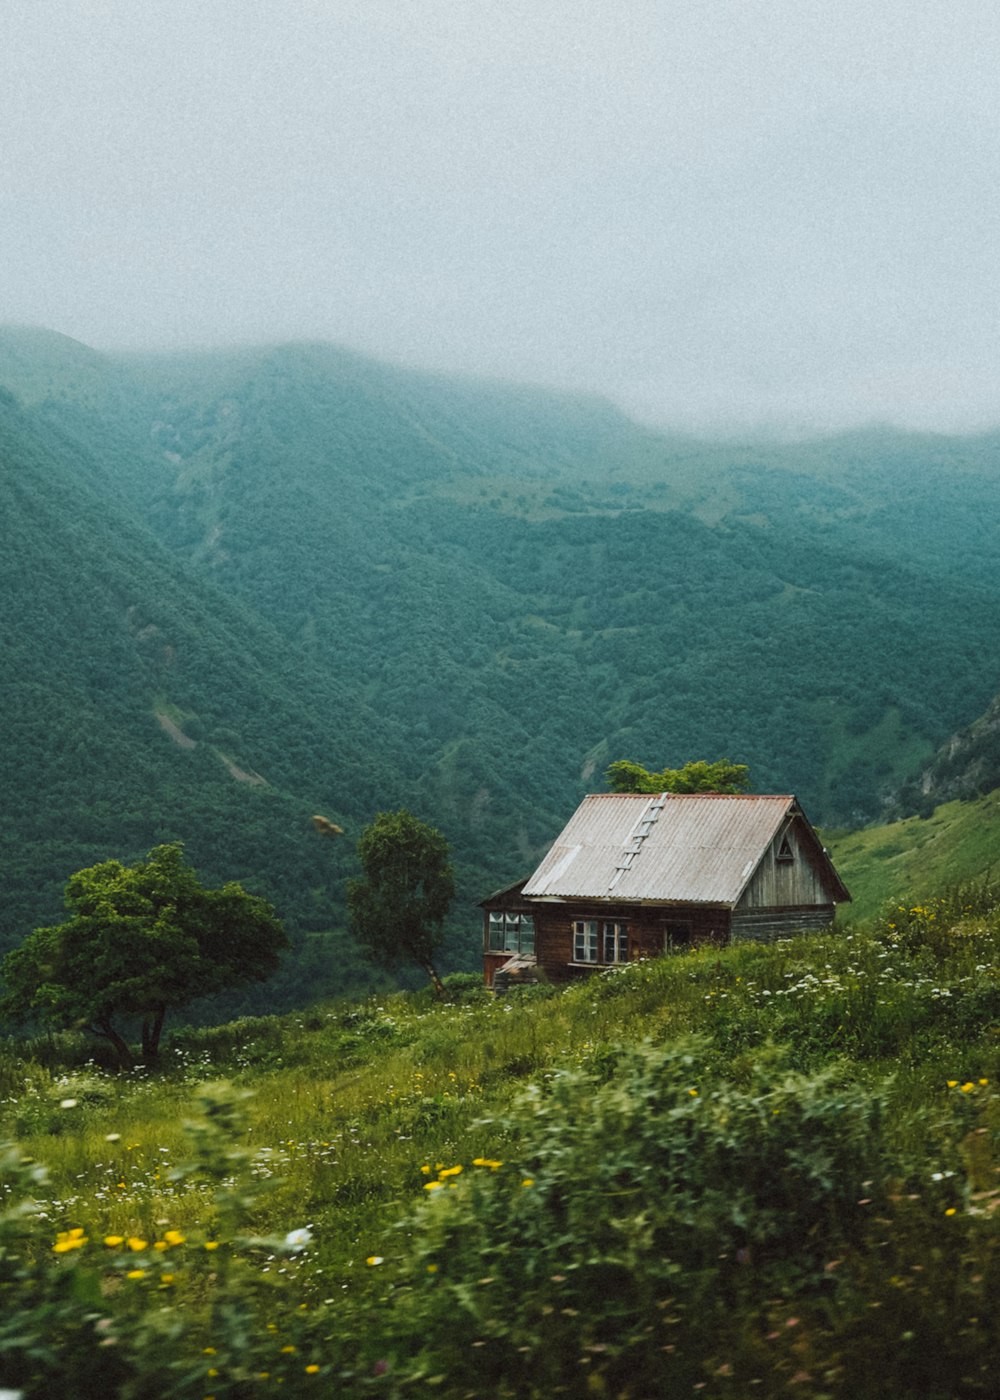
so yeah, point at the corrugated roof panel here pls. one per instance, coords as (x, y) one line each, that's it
(700, 848)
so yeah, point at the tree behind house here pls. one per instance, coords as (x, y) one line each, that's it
(698, 776)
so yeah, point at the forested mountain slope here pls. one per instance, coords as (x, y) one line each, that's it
(373, 587)
(141, 706)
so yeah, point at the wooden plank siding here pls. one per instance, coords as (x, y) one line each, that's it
(790, 873)
(767, 925)
(648, 929)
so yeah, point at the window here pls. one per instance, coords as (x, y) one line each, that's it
(511, 932)
(785, 852)
(615, 943)
(595, 942)
(585, 940)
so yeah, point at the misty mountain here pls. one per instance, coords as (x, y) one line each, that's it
(360, 587)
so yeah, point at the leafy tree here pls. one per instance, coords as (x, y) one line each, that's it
(398, 906)
(698, 776)
(141, 939)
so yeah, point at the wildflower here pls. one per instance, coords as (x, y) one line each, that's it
(136, 1244)
(113, 1241)
(451, 1171)
(433, 1185)
(69, 1239)
(298, 1239)
(984, 1081)
(68, 1103)
(211, 1244)
(950, 1210)
(968, 1088)
(173, 1237)
(374, 1259)
(528, 1181)
(432, 1268)
(312, 1370)
(490, 1162)
(287, 1350)
(135, 1273)
(951, 1083)
(112, 1137)
(693, 1093)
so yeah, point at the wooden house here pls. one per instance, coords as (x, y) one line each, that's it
(634, 875)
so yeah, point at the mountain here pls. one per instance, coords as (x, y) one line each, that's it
(244, 586)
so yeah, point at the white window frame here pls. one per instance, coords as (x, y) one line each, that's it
(510, 931)
(586, 944)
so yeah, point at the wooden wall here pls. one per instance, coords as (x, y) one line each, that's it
(647, 929)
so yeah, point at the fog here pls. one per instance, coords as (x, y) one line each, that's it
(777, 213)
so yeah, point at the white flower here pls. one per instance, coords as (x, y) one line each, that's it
(298, 1239)
(63, 1103)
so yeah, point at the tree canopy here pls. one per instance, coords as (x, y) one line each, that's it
(141, 939)
(398, 906)
(697, 776)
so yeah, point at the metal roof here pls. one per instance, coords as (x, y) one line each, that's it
(690, 848)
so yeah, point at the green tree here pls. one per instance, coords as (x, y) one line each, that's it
(141, 939)
(698, 776)
(398, 906)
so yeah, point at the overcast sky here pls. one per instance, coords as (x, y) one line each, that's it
(714, 211)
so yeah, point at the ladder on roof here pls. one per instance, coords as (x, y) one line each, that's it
(633, 843)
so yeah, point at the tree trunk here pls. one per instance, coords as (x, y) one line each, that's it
(436, 982)
(106, 1031)
(152, 1029)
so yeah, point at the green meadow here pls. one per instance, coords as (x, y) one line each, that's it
(761, 1170)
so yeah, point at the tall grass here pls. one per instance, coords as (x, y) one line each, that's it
(679, 1074)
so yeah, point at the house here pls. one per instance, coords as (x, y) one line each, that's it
(634, 875)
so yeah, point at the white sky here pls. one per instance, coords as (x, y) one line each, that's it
(714, 211)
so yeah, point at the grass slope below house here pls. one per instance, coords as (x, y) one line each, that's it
(728, 1172)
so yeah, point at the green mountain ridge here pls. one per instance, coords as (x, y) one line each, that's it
(374, 587)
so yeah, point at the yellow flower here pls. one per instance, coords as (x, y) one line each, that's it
(374, 1259)
(113, 1241)
(693, 1093)
(984, 1081)
(211, 1244)
(490, 1162)
(312, 1370)
(451, 1171)
(174, 1237)
(136, 1244)
(433, 1185)
(136, 1273)
(968, 1087)
(432, 1268)
(950, 1210)
(166, 1278)
(160, 1245)
(208, 1351)
(528, 1181)
(287, 1350)
(70, 1239)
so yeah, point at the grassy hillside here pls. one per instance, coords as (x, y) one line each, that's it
(957, 843)
(749, 1171)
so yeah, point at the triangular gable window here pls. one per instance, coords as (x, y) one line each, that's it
(785, 851)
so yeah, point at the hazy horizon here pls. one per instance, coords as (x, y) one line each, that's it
(755, 215)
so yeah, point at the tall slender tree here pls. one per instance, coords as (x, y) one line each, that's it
(398, 906)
